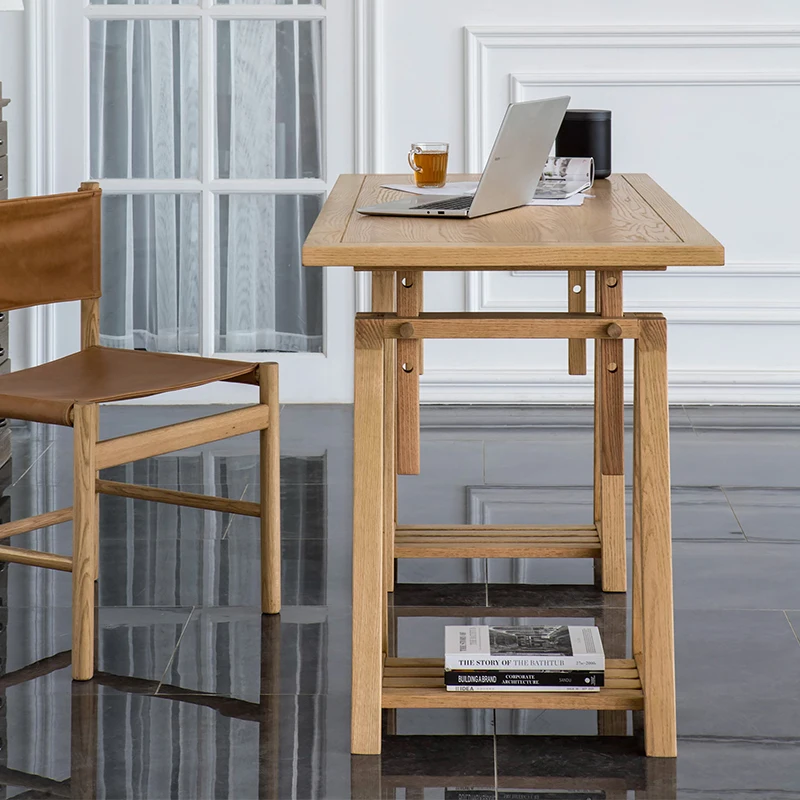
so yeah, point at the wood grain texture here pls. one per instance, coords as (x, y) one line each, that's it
(90, 323)
(457, 325)
(656, 538)
(408, 688)
(408, 422)
(367, 552)
(383, 301)
(35, 523)
(383, 291)
(85, 538)
(608, 299)
(679, 220)
(182, 435)
(409, 305)
(335, 215)
(35, 558)
(270, 497)
(497, 543)
(155, 494)
(598, 435)
(612, 533)
(576, 304)
(617, 228)
(636, 533)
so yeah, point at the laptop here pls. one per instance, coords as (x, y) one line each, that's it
(512, 172)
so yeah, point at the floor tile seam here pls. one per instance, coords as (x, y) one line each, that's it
(791, 625)
(733, 511)
(33, 464)
(230, 521)
(175, 650)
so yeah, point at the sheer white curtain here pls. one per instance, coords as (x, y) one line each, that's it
(145, 85)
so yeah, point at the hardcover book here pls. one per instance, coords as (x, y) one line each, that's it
(543, 648)
(503, 680)
(520, 794)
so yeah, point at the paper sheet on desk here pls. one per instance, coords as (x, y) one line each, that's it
(469, 187)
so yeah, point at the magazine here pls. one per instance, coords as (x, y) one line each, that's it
(543, 647)
(564, 177)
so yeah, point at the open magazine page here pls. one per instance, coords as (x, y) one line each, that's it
(564, 177)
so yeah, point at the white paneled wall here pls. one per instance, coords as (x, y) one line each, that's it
(705, 96)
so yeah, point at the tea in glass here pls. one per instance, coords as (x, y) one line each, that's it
(429, 162)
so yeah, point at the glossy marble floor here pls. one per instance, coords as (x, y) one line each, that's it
(198, 696)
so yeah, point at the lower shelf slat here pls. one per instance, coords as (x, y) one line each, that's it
(409, 683)
(464, 541)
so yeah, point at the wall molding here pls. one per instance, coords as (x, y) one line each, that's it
(518, 82)
(480, 40)
(548, 387)
(697, 310)
(368, 155)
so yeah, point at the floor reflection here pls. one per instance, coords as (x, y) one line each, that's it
(507, 768)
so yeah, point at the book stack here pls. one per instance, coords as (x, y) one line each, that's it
(545, 658)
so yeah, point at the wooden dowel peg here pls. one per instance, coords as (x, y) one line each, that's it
(614, 330)
(576, 304)
(406, 331)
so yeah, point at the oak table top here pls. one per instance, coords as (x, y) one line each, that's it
(631, 223)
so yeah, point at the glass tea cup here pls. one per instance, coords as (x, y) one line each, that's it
(429, 162)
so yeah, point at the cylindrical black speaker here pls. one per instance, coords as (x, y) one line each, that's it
(586, 133)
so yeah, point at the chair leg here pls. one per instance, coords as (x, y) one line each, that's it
(85, 540)
(270, 476)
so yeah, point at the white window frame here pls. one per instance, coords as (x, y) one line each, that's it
(207, 186)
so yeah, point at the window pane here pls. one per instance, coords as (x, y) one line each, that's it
(269, 99)
(151, 287)
(266, 300)
(268, 2)
(143, 2)
(144, 98)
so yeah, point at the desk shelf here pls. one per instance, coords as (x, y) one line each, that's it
(419, 683)
(483, 541)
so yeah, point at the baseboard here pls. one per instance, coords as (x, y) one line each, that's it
(693, 387)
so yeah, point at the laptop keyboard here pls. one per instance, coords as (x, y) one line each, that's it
(453, 203)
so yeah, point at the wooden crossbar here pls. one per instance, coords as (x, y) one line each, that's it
(169, 438)
(176, 498)
(35, 523)
(506, 326)
(489, 542)
(35, 558)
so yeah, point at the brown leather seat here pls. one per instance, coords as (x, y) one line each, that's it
(102, 374)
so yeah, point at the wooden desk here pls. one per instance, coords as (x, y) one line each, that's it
(630, 224)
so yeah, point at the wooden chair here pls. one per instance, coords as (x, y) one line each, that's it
(50, 253)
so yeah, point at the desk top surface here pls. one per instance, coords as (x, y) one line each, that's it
(631, 223)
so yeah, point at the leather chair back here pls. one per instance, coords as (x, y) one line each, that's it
(50, 249)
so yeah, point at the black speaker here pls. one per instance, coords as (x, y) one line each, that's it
(586, 133)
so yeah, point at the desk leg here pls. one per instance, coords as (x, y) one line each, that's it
(383, 301)
(409, 304)
(576, 304)
(610, 417)
(368, 606)
(636, 595)
(658, 676)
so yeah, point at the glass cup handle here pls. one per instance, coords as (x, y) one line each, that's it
(411, 163)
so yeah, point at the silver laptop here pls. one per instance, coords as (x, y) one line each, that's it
(512, 172)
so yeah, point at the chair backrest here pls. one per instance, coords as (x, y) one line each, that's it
(50, 248)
